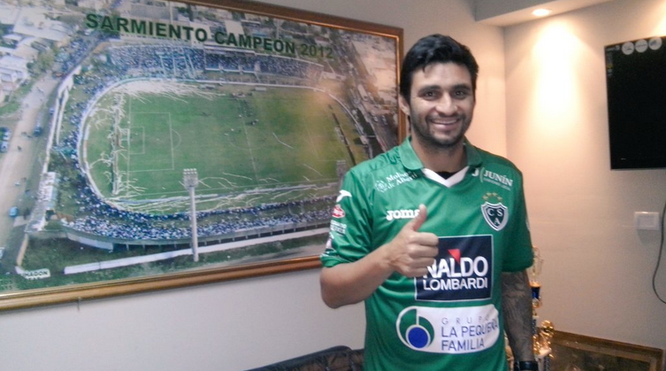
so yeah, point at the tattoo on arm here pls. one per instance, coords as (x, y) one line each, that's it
(517, 308)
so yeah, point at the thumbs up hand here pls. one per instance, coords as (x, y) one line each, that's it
(411, 252)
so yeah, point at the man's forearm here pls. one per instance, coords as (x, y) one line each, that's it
(517, 307)
(351, 283)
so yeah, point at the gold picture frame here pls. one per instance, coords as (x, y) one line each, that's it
(211, 45)
(579, 352)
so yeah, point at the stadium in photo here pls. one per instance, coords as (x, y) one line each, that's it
(251, 145)
(268, 155)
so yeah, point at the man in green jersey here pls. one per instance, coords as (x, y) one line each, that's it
(433, 234)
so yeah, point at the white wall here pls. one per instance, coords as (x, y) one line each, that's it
(248, 323)
(227, 326)
(598, 268)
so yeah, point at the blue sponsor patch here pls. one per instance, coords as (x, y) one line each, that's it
(463, 270)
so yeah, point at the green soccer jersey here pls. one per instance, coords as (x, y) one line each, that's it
(451, 318)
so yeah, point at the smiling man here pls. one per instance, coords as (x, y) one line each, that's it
(428, 236)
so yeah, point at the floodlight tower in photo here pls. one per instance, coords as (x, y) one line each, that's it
(190, 180)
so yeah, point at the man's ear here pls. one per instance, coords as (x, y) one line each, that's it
(404, 105)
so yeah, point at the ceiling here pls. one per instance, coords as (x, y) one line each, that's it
(511, 12)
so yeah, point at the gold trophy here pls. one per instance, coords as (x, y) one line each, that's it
(546, 335)
(534, 271)
(541, 336)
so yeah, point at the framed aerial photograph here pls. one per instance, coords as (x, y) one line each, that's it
(574, 352)
(121, 119)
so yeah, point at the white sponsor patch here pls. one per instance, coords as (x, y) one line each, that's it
(449, 330)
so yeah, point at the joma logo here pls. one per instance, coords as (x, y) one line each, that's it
(401, 214)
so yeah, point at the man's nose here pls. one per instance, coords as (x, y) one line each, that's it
(446, 105)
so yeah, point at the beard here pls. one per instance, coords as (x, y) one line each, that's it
(427, 135)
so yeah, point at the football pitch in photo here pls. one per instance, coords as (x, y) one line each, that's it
(250, 145)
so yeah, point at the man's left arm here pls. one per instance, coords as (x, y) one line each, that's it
(517, 307)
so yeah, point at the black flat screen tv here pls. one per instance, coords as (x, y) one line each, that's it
(636, 90)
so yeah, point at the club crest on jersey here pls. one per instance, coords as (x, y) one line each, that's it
(495, 214)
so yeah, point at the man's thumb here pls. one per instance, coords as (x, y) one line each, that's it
(418, 221)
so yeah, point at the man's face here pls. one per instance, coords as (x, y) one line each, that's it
(441, 105)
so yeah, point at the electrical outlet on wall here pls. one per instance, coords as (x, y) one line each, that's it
(646, 220)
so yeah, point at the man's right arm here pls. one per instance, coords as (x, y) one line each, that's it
(350, 283)
(409, 253)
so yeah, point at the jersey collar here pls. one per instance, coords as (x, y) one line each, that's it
(412, 162)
